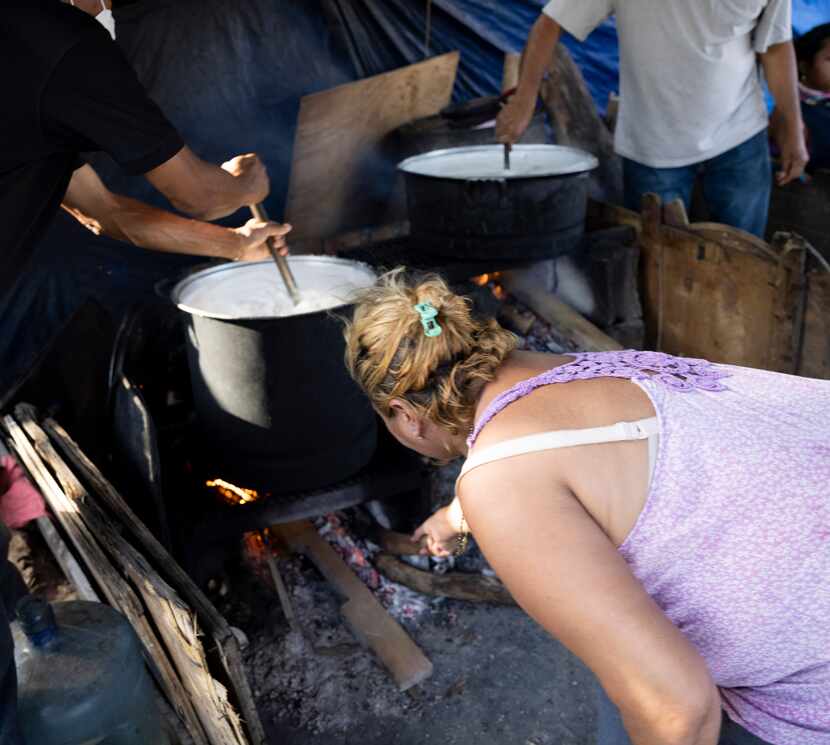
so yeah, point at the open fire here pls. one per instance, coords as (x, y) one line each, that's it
(232, 493)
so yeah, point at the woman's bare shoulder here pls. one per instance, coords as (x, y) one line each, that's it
(544, 408)
(572, 405)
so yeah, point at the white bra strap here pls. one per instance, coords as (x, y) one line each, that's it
(565, 438)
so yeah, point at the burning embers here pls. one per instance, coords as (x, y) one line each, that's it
(492, 280)
(233, 494)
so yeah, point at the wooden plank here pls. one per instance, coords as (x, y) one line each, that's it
(174, 620)
(212, 620)
(565, 322)
(115, 588)
(337, 148)
(282, 591)
(179, 629)
(365, 615)
(461, 586)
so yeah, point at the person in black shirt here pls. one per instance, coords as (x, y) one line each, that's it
(68, 90)
(74, 92)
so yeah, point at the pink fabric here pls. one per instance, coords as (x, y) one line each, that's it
(806, 93)
(734, 540)
(20, 502)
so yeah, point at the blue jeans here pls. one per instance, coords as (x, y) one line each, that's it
(736, 184)
(610, 730)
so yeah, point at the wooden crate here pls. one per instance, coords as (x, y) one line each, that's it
(719, 293)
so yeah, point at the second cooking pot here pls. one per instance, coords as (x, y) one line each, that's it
(463, 203)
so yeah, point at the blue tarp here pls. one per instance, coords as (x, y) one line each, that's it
(391, 33)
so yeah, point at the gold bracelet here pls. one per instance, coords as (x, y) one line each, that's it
(463, 538)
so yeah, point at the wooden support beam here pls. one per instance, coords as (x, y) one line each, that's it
(365, 615)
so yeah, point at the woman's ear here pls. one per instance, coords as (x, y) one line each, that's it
(407, 417)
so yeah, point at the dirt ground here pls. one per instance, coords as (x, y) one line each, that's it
(498, 677)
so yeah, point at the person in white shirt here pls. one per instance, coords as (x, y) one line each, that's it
(691, 97)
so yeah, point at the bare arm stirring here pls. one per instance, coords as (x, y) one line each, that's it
(126, 219)
(516, 115)
(206, 191)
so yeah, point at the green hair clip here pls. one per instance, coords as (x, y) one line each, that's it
(428, 315)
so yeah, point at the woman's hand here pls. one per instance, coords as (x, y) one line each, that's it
(253, 235)
(438, 534)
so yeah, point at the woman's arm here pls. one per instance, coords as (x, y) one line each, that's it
(563, 570)
(439, 533)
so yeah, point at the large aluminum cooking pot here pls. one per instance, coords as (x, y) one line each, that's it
(463, 203)
(277, 408)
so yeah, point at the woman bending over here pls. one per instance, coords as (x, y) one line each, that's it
(667, 519)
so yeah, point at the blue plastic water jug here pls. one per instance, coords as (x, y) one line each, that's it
(81, 677)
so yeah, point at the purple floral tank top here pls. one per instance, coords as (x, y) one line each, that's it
(733, 542)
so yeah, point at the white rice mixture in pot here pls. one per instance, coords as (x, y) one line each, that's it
(256, 290)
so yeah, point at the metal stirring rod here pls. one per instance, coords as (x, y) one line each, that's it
(258, 211)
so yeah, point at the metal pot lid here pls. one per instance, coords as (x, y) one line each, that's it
(254, 290)
(486, 162)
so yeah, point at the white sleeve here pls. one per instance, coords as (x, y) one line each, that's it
(775, 25)
(579, 17)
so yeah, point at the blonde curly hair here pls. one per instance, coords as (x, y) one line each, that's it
(389, 356)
